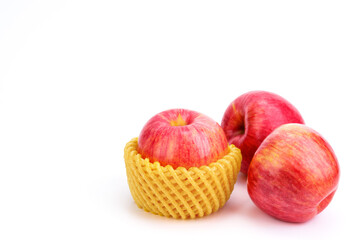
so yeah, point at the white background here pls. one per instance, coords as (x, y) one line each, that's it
(78, 79)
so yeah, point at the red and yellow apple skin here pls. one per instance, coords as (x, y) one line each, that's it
(294, 174)
(250, 118)
(182, 138)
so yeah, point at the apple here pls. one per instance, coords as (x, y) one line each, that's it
(182, 138)
(250, 118)
(294, 174)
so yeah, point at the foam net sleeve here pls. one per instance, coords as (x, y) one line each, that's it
(180, 193)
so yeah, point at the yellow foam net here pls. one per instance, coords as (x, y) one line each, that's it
(180, 193)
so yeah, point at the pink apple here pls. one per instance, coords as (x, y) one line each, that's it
(294, 174)
(180, 137)
(253, 116)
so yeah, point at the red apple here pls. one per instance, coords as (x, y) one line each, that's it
(294, 174)
(250, 118)
(181, 137)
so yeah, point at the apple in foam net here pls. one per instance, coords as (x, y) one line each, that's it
(250, 118)
(182, 138)
(294, 174)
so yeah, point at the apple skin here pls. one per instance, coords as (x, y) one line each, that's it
(182, 138)
(250, 118)
(294, 174)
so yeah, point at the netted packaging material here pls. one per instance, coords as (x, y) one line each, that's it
(180, 193)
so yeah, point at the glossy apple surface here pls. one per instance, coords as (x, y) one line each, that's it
(294, 174)
(182, 138)
(250, 118)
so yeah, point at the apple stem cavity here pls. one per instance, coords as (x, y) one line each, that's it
(240, 130)
(178, 122)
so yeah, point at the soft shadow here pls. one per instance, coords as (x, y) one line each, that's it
(241, 179)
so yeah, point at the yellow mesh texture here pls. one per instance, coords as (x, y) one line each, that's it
(180, 193)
